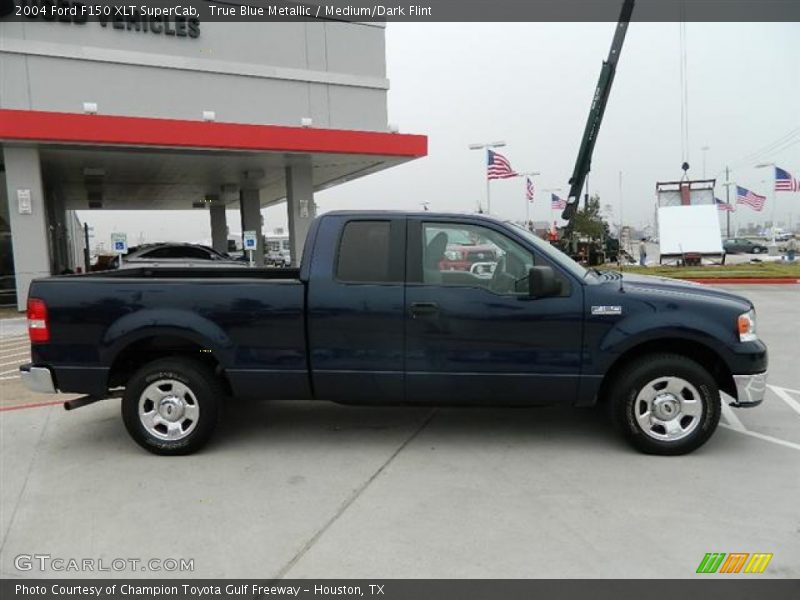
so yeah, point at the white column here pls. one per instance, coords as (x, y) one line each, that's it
(250, 208)
(219, 227)
(28, 217)
(299, 206)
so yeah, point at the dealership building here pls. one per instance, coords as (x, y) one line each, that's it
(153, 113)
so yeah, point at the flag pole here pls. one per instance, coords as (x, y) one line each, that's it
(774, 182)
(487, 146)
(488, 188)
(527, 205)
(728, 198)
(527, 178)
(488, 195)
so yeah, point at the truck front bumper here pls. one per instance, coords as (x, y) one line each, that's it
(750, 389)
(37, 379)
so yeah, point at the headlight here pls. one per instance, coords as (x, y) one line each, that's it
(452, 255)
(747, 327)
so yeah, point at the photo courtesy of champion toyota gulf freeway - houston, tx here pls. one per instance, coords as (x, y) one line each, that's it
(373, 315)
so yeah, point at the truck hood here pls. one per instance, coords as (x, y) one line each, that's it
(644, 283)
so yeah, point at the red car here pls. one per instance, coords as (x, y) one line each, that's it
(461, 257)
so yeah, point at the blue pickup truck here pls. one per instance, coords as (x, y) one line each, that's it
(376, 315)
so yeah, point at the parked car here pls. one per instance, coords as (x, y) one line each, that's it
(279, 252)
(371, 318)
(279, 258)
(173, 254)
(461, 257)
(743, 245)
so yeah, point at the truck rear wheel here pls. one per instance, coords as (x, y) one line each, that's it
(171, 406)
(665, 404)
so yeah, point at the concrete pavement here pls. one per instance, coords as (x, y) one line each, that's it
(320, 490)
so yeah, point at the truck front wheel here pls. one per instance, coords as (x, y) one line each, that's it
(665, 404)
(171, 406)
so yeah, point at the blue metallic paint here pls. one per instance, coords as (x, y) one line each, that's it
(364, 345)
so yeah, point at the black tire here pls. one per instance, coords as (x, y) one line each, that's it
(205, 393)
(627, 386)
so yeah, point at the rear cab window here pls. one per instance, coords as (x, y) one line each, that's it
(368, 252)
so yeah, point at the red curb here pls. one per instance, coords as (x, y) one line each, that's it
(34, 405)
(747, 280)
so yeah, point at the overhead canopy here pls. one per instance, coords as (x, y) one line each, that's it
(146, 163)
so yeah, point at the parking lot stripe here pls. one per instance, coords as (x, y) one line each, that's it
(16, 362)
(11, 377)
(13, 337)
(13, 355)
(783, 394)
(733, 421)
(761, 436)
(14, 347)
(32, 405)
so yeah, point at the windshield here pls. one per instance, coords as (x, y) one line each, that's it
(551, 251)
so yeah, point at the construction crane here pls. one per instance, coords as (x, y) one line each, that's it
(583, 163)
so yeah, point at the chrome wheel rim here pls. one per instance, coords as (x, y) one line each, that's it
(168, 410)
(668, 408)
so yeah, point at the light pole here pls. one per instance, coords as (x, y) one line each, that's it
(772, 212)
(728, 183)
(528, 202)
(487, 146)
(705, 149)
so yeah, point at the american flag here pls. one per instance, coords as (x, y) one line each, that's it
(784, 182)
(722, 205)
(557, 203)
(498, 166)
(751, 199)
(529, 189)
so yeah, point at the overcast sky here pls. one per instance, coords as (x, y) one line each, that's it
(530, 84)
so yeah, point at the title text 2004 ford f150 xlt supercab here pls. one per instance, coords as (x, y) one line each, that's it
(373, 316)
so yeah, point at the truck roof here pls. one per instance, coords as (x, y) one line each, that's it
(428, 214)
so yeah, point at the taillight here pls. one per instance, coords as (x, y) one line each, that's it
(38, 329)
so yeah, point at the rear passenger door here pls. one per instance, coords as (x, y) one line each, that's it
(356, 301)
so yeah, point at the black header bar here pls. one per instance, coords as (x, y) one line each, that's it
(421, 11)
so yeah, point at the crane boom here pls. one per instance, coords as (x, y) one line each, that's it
(583, 163)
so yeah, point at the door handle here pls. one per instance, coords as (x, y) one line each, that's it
(421, 309)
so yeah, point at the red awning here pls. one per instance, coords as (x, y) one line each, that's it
(110, 130)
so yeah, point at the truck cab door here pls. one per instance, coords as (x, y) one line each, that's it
(356, 309)
(474, 335)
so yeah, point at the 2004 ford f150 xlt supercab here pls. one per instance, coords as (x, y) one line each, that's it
(375, 316)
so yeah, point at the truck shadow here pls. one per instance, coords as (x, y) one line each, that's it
(244, 424)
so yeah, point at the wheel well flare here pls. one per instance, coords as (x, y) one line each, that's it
(695, 351)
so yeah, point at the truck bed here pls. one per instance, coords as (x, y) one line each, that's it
(249, 321)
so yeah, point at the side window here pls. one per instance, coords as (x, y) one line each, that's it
(178, 252)
(364, 252)
(158, 253)
(461, 254)
(198, 253)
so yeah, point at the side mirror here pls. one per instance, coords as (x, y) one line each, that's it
(542, 282)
